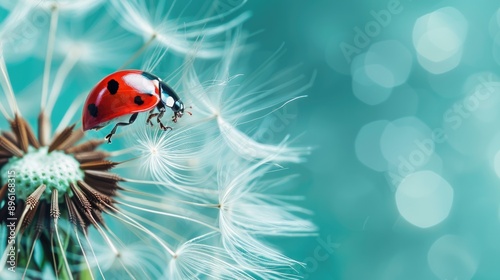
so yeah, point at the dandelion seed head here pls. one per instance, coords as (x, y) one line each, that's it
(194, 201)
(56, 170)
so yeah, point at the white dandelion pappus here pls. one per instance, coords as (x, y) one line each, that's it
(250, 209)
(89, 49)
(180, 156)
(16, 16)
(71, 7)
(249, 201)
(95, 46)
(135, 256)
(153, 22)
(198, 259)
(15, 33)
(35, 15)
(229, 101)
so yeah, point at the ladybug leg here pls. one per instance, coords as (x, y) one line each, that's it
(151, 115)
(162, 112)
(113, 131)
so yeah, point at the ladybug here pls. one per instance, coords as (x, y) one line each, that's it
(125, 94)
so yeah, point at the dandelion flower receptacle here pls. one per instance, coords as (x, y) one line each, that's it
(46, 186)
(193, 202)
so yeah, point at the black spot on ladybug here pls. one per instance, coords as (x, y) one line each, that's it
(113, 86)
(138, 100)
(92, 110)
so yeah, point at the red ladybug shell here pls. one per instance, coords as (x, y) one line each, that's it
(119, 94)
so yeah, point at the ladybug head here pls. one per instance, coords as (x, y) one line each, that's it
(178, 108)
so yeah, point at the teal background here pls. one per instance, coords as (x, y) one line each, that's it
(360, 143)
(355, 205)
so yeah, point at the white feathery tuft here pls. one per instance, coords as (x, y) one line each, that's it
(248, 210)
(233, 100)
(16, 17)
(136, 257)
(197, 260)
(19, 31)
(176, 156)
(155, 23)
(250, 149)
(72, 7)
(94, 46)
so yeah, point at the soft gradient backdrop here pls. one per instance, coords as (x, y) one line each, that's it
(405, 118)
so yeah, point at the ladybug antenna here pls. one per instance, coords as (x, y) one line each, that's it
(190, 107)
